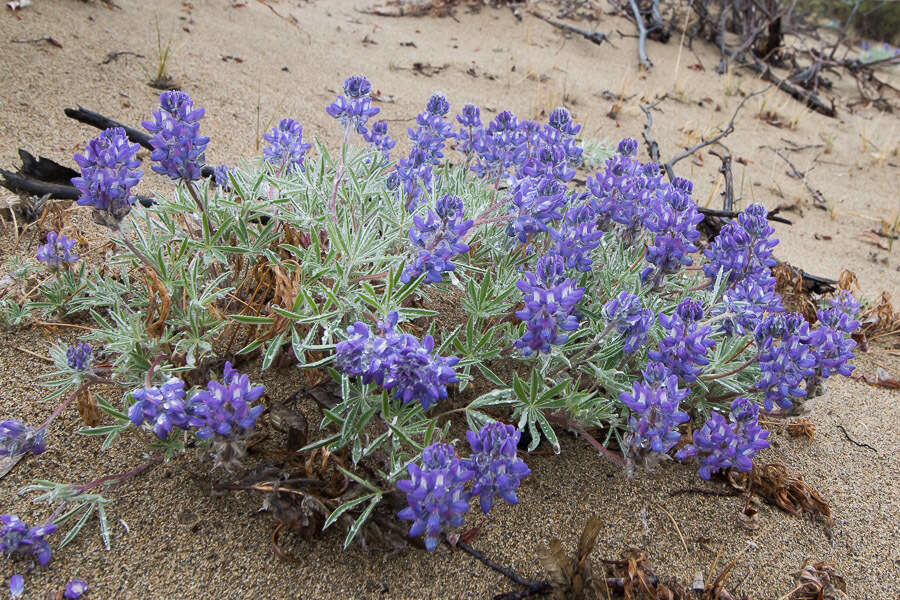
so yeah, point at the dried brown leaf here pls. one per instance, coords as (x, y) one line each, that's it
(801, 427)
(778, 486)
(819, 581)
(881, 378)
(88, 408)
(789, 283)
(158, 304)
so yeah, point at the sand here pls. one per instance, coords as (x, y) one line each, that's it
(171, 541)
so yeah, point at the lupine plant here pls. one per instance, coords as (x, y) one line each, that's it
(472, 276)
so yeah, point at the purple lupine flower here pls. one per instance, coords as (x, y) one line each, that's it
(286, 150)
(495, 464)
(378, 138)
(655, 415)
(161, 407)
(549, 151)
(746, 303)
(438, 236)
(75, 589)
(57, 251)
(223, 412)
(625, 313)
(535, 203)
(843, 313)
(547, 160)
(108, 172)
(577, 237)
(436, 493)
(177, 144)
(224, 409)
(833, 350)
(469, 119)
(785, 359)
(396, 361)
(831, 341)
(433, 129)
(220, 176)
(743, 248)
(500, 146)
(721, 445)
(365, 354)
(79, 357)
(17, 438)
(357, 86)
(16, 585)
(414, 175)
(560, 119)
(687, 343)
(355, 112)
(416, 374)
(16, 538)
(627, 147)
(672, 216)
(622, 191)
(550, 299)
(437, 104)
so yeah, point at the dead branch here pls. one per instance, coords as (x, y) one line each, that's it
(652, 145)
(642, 36)
(725, 170)
(597, 37)
(722, 134)
(802, 176)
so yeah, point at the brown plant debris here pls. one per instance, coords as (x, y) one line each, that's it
(878, 318)
(88, 408)
(634, 580)
(291, 422)
(778, 486)
(819, 581)
(881, 378)
(800, 428)
(571, 578)
(795, 296)
(158, 304)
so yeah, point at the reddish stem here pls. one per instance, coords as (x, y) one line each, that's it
(612, 456)
(120, 477)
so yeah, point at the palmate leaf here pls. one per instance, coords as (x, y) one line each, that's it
(533, 399)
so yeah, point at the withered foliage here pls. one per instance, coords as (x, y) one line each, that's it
(571, 578)
(795, 296)
(158, 304)
(577, 578)
(302, 489)
(801, 428)
(778, 486)
(633, 578)
(819, 581)
(88, 409)
(878, 318)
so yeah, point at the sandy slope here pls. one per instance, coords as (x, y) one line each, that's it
(493, 60)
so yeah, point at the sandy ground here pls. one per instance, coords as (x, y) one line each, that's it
(491, 59)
